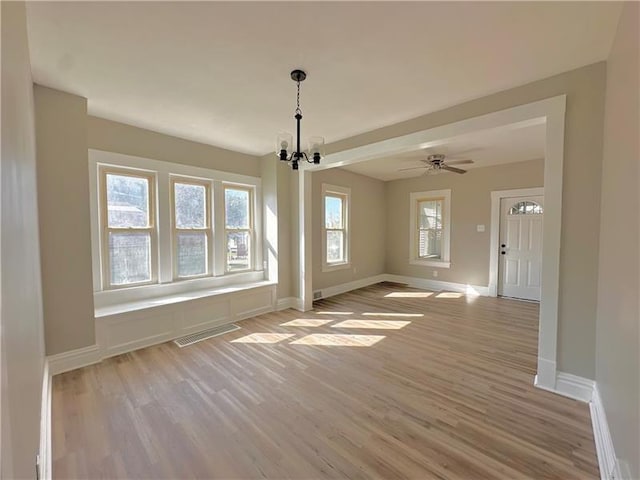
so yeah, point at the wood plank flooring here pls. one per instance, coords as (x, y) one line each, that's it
(383, 382)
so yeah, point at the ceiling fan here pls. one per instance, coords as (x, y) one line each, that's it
(437, 162)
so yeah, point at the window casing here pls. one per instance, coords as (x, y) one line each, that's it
(238, 222)
(128, 227)
(165, 279)
(191, 222)
(335, 227)
(430, 225)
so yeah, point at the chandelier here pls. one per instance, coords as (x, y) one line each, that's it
(285, 140)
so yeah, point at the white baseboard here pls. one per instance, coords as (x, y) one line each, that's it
(586, 390)
(575, 387)
(429, 284)
(64, 362)
(287, 302)
(45, 425)
(610, 467)
(602, 436)
(411, 281)
(347, 287)
(568, 385)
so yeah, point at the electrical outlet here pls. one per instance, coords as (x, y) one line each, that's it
(435, 274)
(355, 270)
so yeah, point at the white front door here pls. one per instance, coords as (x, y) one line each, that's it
(520, 247)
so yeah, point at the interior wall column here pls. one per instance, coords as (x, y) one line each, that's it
(305, 287)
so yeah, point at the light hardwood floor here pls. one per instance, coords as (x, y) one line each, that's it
(383, 382)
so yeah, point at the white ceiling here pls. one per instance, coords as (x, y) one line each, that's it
(486, 148)
(219, 72)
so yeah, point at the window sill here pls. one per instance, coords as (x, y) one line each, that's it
(429, 263)
(180, 288)
(330, 267)
(126, 307)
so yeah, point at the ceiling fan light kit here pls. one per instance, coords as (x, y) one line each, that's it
(285, 140)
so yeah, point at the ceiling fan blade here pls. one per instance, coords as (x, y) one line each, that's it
(412, 168)
(453, 169)
(459, 162)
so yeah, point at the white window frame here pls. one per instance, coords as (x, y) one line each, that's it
(166, 284)
(105, 229)
(207, 229)
(345, 194)
(414, 199)
(250, 230)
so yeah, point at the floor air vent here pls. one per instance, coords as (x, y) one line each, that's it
(212, 332)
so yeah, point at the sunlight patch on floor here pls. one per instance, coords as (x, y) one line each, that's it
(334, 313)
(408, 294)
(449, 295)
(305, 322)
(263, 338)
(380, 314)
(373, 324)
(338, 340)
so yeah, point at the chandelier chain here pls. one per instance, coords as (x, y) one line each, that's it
(298, 100)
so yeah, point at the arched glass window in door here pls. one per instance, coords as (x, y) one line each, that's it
(526, 208)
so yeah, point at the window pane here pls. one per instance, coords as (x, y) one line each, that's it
(236, 204)
(127, 201)
(526, 208)
(430, 244)
(333, 212)
(191, 205)
(238, 248)
(430, 212)
(335, 246)
(192, 254)
(130, 257)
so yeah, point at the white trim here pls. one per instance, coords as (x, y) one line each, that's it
(66, 361)
(572, 386)
(437, 285)
(128, 307)
(163, 172)
(45, 457)
(586, 390)
(414, 282)
(347, 287)
(494, 243)
(546, 376)
(286, 303)
(610, 467)
(444, 262)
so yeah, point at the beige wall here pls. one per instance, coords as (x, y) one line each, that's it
(584, 88)
(21, 314)
(470, 206)
(366, 230)
(65, 237)
(64, 133)
(617, 354)
(121, 138)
